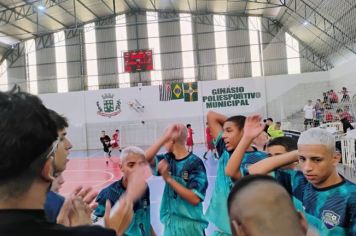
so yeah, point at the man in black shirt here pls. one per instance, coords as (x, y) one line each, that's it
(28, 142)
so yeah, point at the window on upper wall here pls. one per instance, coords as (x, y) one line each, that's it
(222, 62)
(4, 83)
(185, 22)
(121, 47)
(61, 62)
(154, 44)
(91, 56)
(256, 50)
(293, 57)
(31, 66)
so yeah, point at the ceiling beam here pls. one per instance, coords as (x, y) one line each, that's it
(86, 7)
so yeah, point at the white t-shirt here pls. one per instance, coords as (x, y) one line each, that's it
(308, 111)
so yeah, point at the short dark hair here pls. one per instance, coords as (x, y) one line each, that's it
(61, 121)
(288, 143)
(116, 130)
(26, 133)
(189, 125)
(239, 121)
(244, 182)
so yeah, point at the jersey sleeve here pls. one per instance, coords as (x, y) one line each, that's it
(219, 144)
(198, 180)
(285, 177)
(101, 200)
(157, 159)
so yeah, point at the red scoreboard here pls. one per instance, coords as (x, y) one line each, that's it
(136, 61)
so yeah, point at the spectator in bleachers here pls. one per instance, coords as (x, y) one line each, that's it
(345, 95)
(346, 114)
(308, 114)
(344, 120)
(333, 97)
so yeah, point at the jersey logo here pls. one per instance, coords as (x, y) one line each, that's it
(330, 219)
(185, 175)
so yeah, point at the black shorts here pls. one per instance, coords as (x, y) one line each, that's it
(308, 121)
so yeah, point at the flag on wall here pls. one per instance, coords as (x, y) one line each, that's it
(165, 92)
(177, 91)
(190, 92)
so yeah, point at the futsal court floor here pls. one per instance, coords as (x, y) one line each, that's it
(89, 168)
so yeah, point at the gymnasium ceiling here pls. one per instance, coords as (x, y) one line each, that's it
(326, 26)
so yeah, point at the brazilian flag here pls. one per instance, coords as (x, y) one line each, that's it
(191, 92)
(177, 91)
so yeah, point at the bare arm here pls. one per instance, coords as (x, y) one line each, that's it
(216, 122)
(232, 168)
(169, 133)
(269, 164)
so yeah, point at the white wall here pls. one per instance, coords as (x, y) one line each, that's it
(275, 96)
(344, 76)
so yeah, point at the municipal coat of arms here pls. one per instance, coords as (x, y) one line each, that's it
(109, 106)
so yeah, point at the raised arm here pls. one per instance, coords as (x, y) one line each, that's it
(216, 122)
(154, 148)
(252, 128)
(269, 164)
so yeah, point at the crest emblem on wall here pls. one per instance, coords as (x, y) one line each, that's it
(109, 106)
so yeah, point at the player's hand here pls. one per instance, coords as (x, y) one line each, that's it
(172, 132)
(253, 127)
(119, 217)
(137, 182)
(77, 208)
(163, 169)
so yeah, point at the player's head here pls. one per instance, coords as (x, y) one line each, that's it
(309, 102)
(189, 126)
(233, 131)
(271, 213)
(117, 131)
(269, 121)
(178, 138)
(130, 158)
(103, 132)
(28, 139)
(278, 125)
(60, 159)
(281, 145)
(317, 157)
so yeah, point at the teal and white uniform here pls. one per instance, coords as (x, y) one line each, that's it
(217, 212)
(141, 223)
(179, 217)
(331, 210)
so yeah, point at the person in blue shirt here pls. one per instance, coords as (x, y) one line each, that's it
(186, 183)
(324, 196)
(55, 201)
(227, 133)
(130, 158)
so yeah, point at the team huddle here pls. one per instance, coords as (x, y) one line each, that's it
(288, 188)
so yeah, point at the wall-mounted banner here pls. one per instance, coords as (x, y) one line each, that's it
(176, 91)
(111, 106)
(230, 97)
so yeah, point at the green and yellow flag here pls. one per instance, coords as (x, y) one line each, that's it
(191, 92)
(177, 91)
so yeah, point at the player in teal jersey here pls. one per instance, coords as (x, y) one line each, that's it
(227, 133)
(325, 197)
(186, 183)
(130, 158)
